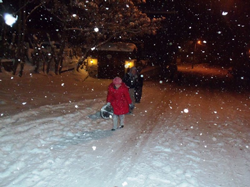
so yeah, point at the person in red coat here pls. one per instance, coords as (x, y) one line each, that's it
(118, 97)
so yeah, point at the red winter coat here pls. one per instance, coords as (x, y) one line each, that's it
(119, 99)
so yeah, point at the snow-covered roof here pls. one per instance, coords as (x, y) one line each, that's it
(118, 46)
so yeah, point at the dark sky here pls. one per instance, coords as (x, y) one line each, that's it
(223, 23)
(194, 18)
(204, 18)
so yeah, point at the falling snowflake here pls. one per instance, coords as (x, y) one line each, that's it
(224, 13)
(96, 29)
(124, 183)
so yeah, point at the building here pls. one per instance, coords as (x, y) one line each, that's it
(111, 60)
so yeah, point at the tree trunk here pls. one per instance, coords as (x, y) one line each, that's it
(19, 30)
(61, 55)
(20, 52)
(23, 48)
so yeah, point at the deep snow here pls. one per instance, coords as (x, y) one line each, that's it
(180, 135)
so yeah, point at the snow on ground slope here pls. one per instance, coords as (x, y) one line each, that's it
(178, 136)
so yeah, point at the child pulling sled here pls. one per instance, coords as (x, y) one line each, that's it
(118, 97)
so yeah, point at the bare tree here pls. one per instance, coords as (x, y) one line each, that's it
(92, 22)
(96, 22)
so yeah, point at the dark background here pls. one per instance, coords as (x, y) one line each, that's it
(227, 36)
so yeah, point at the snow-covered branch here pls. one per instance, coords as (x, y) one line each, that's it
(34, 9)
(93, 23)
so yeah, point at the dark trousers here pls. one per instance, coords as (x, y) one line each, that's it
(138, 94)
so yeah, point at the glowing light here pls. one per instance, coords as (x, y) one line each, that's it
(224, 13)
(96, 29)
(10, 19)
(129, 64)
(92, 61)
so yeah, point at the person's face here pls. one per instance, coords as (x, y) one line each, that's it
(133, 72)
(117, 85)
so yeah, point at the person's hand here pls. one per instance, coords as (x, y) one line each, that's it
(131, 106)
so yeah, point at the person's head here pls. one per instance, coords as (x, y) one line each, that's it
(133, 71)
(117, 81)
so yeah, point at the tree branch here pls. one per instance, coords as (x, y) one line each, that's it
(34, 10)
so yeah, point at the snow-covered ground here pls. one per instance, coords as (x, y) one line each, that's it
(180, 135)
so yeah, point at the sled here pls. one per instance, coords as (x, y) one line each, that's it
(107, 111)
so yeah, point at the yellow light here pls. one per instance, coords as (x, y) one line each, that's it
(198, 42)
(129, 64)
(92, 61)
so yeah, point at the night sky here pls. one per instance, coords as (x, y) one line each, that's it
(224, 24)
(194, 19)
(214, 19)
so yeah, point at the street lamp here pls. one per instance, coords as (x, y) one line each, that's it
(195, 49)
(10, 19)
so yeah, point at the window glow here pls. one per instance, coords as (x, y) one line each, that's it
(129, 64)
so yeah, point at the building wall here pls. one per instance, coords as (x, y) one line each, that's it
(109, 63)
